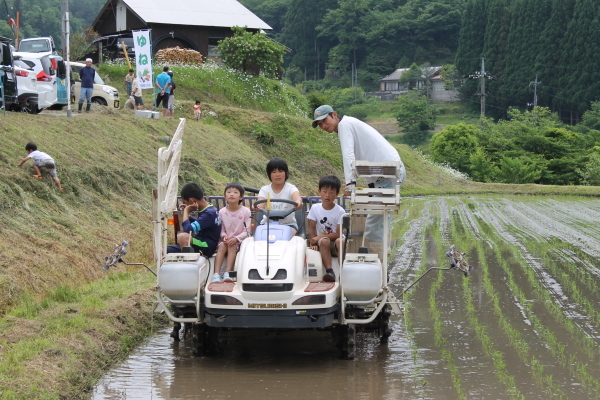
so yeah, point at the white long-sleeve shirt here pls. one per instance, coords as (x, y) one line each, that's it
(360, 141)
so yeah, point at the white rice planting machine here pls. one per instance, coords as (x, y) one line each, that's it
(277, 279)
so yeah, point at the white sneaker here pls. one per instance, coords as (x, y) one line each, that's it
(226, 277)
(216, 278)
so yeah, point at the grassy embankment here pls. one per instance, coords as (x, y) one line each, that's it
(64, 319)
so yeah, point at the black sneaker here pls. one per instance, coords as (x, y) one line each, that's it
(329, 277)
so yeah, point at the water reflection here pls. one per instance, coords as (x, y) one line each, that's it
(259, 365)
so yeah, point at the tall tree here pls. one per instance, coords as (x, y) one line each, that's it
(550, 72)
(471, 43)
(309, 52)
(345, 24)
(581, 52)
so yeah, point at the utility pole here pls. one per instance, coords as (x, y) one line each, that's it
(66, 53)
(483, 76)
(535, 85)
(482, 87)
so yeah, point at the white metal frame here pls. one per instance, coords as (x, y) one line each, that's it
(376, 201)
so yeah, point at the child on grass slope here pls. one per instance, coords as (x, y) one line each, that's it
(197, 110)
(323, 221)
(235, 222)
(41, 160)
(205, 229)
(277, 171)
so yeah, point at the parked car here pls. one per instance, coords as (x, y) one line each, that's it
(103, 94)
(26, 87)
(7, 74)
(46, 77)
(38, 45)
(112, 47)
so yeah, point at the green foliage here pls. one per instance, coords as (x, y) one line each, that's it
(482, 168)
(334, 34)
(293, 74)
(533, 146)
(590, 173)
(212, 83)
(517, 170)
(316, 99)
(360, 111)
(80, 43)
(451, 77)
(412, 76)
(554, 41)
(42, 17)
(454, 145)
(262, 134)
(252, 52)
(271, 11)
(415, 116)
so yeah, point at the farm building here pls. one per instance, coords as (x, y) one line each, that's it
(191, 24)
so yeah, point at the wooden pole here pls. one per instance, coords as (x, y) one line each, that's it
(124, 47)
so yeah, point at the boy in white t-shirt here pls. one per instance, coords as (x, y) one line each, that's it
(41, 160)
(323, 221)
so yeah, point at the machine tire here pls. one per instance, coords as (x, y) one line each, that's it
(199, 338)
(212, 346)
(347, 344)
(384, 323)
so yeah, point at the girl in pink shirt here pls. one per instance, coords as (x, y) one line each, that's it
(235, 222)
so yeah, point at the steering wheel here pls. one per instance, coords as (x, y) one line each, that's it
(276, 215)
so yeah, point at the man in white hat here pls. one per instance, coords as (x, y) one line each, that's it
(87, 75)
(360, 141)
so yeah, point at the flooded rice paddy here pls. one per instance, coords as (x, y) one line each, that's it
(524, 325)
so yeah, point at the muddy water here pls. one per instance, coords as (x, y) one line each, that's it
(525, 324)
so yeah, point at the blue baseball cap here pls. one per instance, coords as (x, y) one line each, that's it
(320, 113)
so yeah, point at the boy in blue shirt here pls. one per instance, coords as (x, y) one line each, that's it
(205, 229)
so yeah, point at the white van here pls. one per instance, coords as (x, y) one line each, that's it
(38, 45)
(103, 94)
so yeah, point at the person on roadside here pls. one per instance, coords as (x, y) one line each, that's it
(87, 75)
(129, 80)
(171, 103)
(41, 160)
(360, 141)
(163, 83)
(136, 92)
(323, 221)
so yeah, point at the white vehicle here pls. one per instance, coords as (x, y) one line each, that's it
(277, 279)
(103, 94)
(26, 88)
(45, 75)
(38, 45)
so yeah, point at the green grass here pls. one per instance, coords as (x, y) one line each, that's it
(212, 84)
